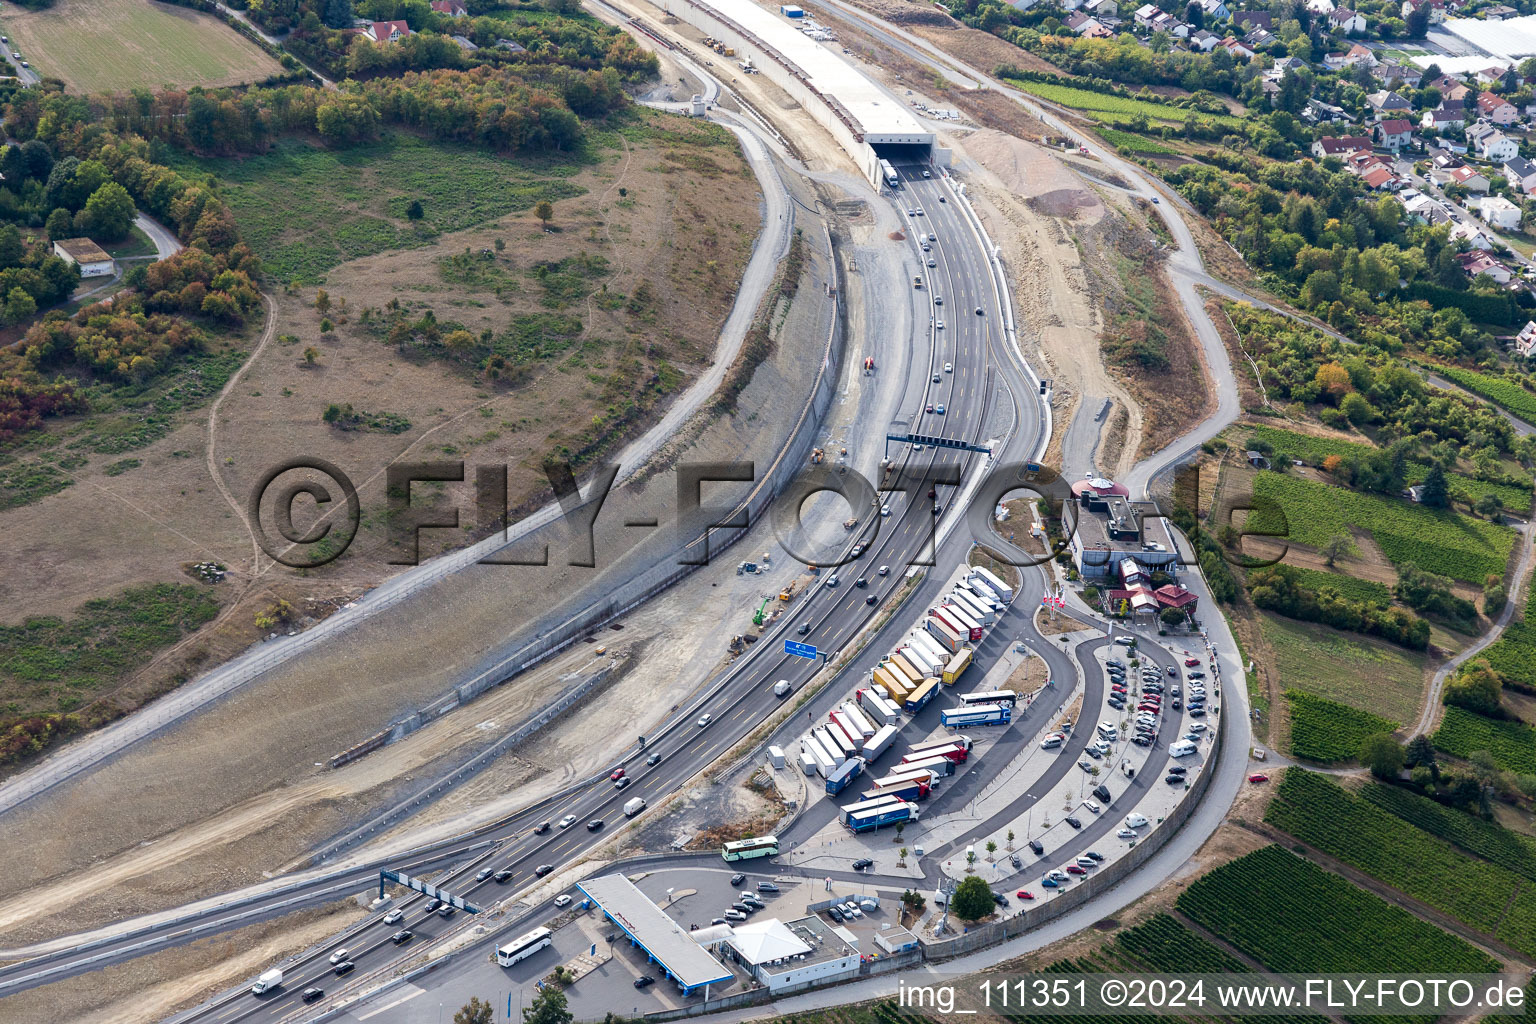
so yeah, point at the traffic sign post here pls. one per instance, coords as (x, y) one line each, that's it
(800, 650)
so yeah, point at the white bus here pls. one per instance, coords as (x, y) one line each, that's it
(523, 947)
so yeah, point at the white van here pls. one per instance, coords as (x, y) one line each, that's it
(1052, 741)
(1106, 730)
(1134, 820)
(1183, 748)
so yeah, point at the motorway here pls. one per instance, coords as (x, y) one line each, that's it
(959, 282)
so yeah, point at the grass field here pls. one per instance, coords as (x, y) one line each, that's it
(1437, 541)
(117, 45)
(1123, 106)
(1370, 676)
(305, 209)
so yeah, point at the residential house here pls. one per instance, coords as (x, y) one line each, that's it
(1477, 263)
(1319, 7)
(1284, 64)
(1203, 41)
(1397, 76)
(1258, 38)
(1083, 25)
(1425, 209)
(1344, 20)
(1443, 118)
(1145, 15)
(1387, 104)
(1254, 19)
(1102, 8)
(1491, 144)
(452, 8)
(1379, 177)
(1450, 89)
(1436, 10)
(1235, 47)
(1496, 109)
(1498, 75)
(1215, 10)
(1499, 212)
(1499, 12)
(1442, 159)
(1521, 174)
(464, 43)
(1448, 145)
(1179, 29)
(1395, 134)
(1340, 147)
(384, 31)
(92, 260)
(1317, 112)
(1525, 341)
(1471, 235)
(1469, 178)
(1022, 5)
(511, 46)
(1359, 53)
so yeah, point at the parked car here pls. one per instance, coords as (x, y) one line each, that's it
(1094, 856)
(736, 915)
(1000, 899)
(1125, 833)
(1258, 777)
(1024, 894)
(1075, 823)
(835, 914)
(644, 981)
(1034, 845)
(738, 878)
(767, 887)
(1050, 883)
(1073, 869)
(1191, 662)
(862, 863)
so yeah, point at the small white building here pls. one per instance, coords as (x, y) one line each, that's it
(788, 955)
(87, 255)
(1525, 341)
(1499, 212)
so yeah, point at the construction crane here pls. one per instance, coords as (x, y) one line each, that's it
(757, 619)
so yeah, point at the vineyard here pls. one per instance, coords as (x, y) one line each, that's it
(1498, 390)
(1325, 731)
(1319, 812)
(1129, 142)
(1437, 541)
(1124, 106)
(1348, 587)
(1292, 916)
(1513, 654)
(1484, 838)
(1512, 744)
(1288, 444)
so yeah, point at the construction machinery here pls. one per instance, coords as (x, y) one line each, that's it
(757, 619)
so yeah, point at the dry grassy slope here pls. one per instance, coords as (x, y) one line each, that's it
(683, 224)
(232, 793)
